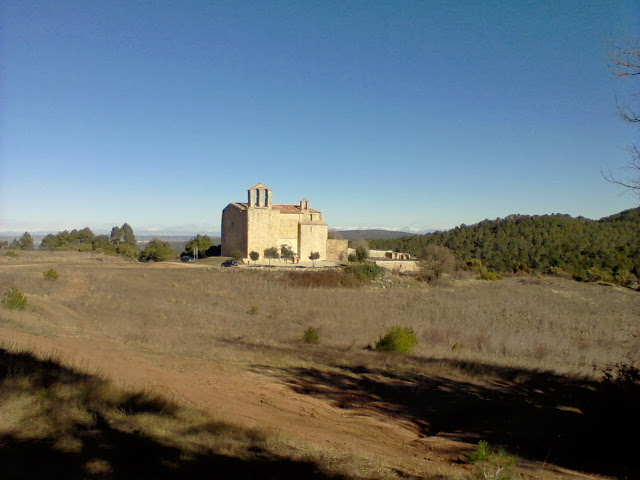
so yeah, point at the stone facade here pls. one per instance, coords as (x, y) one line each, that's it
(337, 249)
(260, 224)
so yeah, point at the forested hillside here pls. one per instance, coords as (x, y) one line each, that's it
(607, 249)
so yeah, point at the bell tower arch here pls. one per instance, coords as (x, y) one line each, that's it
(260, 196)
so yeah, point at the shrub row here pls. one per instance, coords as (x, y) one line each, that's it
(396, 340)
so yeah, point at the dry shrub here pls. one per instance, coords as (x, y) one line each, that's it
(435, 260)
(349, 276)
(51, 274)
(325, 278)
(313, 279)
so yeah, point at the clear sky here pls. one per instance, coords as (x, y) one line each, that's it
(396, 114)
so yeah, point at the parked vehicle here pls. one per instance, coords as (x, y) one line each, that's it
(230, 263)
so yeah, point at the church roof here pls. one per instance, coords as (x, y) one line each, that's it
(282, 207)
(289, 208)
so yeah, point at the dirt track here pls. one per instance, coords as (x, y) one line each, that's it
(249, 399)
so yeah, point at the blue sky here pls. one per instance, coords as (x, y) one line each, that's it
(394, 114)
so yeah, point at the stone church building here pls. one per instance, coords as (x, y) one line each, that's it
(260, 224)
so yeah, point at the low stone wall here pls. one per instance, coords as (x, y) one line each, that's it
(390, 254)
(398, 266)
(337, 249)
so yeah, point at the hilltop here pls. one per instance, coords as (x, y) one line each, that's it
(606, 249)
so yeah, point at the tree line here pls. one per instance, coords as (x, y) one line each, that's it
(121, 241)
(588, 250)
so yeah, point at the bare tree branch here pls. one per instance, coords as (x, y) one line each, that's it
(625, 62)
(632, 182)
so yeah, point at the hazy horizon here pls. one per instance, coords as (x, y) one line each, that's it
(186, 231)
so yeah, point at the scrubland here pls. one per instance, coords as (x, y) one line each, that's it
(517, 362)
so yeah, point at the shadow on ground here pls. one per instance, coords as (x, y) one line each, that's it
(579, 424)
(110, 453)
(72, 425)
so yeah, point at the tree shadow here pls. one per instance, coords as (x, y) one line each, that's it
(106, 445)
(111, 453)
(575, 423)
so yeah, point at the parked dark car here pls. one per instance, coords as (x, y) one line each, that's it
(187, 259)
(230, 263)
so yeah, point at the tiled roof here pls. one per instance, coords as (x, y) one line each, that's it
(284, 208)
(288, 208)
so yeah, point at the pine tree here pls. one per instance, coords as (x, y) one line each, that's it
(26, 241)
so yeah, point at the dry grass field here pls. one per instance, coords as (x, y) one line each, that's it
(227, 382)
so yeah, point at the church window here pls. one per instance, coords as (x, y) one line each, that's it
(257, 197)
(266, 198)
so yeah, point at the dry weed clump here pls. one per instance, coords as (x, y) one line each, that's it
(51, 274)
(320, 279)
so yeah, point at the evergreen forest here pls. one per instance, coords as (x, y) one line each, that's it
(589, 250)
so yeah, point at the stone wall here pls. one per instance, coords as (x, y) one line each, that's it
(398, 266)
(287, 231)
(337, 249)
(313, 238)
(234, 231)
(388, 254)
(263, 229)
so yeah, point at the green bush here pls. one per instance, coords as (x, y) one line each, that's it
(14, 300)
(156, 250)
(482, 453)
(51, 274)
(364, 272)
(254, 310)
(397, 340)
(490, 276)
(491, 462)
(11, 254)
(625, 278)
(311, 336)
